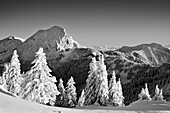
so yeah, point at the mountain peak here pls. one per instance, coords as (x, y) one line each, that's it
(52, 40)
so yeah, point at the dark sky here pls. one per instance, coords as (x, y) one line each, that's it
(113, 23)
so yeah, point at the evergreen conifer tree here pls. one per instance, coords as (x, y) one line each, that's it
(161, 96)
(39, 85)
(112, 89)
(61, 98)
(81, 99)
(5, 77)
(90, 89)
(158, 94)
(102, 82)
(147, 92)
(144, 95)
(141, 95)
(120, 94)
(12, 75)
(71, 93)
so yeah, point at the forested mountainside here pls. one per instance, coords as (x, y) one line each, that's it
(134, 65)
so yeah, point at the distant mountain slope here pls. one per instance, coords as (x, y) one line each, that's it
(103, 48)
(154, 54)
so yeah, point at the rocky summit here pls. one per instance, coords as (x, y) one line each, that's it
(7, 46)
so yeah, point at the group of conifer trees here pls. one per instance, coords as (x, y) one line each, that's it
(38, 85)
(144, 95)
(98, 89)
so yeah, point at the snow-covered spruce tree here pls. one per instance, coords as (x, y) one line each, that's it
(102, 83)
(120, 94)
(71, 94)
(161, 95)
(112, 89)
(148, 97)
(81, 99)
(5, 77)
(90, 94)
(61, 98)
(158, 94)
(144, 95)
(39, 85)
(12, 75)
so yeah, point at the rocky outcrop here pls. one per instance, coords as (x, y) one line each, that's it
(7, 46)
(55, 42)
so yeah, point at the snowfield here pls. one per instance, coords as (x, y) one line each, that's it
(9, 104)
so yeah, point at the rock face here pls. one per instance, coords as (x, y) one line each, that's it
(154, 54)
(7, 46)
(54, 41)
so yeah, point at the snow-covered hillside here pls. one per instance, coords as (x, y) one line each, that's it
(10, 104)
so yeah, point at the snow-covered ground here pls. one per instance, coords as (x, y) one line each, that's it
(10, 104)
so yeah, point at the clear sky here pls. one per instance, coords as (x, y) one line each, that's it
(90, 22)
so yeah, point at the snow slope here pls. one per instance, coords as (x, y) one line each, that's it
(10, 104)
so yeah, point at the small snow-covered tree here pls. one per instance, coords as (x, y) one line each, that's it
(120, 94)
(147, 92)
(12, 75)
(158, 94)
(102, 82)
(39, 85)
(61, 98)
(81, 99)
(112, 88)
(90, 89)
(5, 77)
(71, 93)
(161, 96)
(61, 88)
(144, 95)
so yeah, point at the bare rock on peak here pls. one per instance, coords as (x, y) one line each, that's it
(7, 46)
(53, 40)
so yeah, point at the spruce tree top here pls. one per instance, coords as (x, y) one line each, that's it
(71, 81)
(40, 62)
(14, 60)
